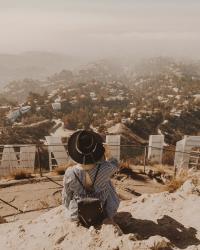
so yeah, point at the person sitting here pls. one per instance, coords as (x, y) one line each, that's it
(88, 193)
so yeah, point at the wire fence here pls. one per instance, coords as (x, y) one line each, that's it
(44, 158)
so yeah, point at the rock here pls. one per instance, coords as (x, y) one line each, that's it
(192, 248)
(117, 230)
(2, 220)
(60, 239)
(158, 242)
(188, 187)
(21, 229)
(115, 248)
(132, 237)
(92, 230)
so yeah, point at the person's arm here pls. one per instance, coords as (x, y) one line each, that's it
(67, 193)
(110, 167)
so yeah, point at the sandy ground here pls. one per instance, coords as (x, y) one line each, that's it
(27, 197)
(149, 218)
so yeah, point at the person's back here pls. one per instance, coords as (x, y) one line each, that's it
(92, 173)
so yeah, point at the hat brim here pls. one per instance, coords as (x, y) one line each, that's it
(85, 159)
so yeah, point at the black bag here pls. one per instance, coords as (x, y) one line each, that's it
(90, 209)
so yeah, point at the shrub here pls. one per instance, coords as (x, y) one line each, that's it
(159, 168)
(125, 165)
(58, 201)
(177, 181)
(125, 168)
(19, 174)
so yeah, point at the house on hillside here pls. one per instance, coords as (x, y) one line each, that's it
(56, 106)
(25, 109)
(17, 112)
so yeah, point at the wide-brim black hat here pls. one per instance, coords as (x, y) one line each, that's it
(85, 147)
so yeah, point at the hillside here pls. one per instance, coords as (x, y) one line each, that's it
(35, 65)
(103, 94)
(127, 136)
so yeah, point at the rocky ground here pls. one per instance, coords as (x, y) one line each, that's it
(149, 221)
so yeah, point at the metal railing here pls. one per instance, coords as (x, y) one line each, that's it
(194, 160)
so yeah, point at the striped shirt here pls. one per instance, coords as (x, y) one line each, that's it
(103, 187)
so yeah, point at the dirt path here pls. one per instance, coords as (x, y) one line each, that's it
(29, 197)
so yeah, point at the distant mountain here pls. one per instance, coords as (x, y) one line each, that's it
(35, 65)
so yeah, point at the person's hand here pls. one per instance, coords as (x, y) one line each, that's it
(108, 154)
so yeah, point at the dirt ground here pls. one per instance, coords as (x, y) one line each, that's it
(44, 195)
(159, 221)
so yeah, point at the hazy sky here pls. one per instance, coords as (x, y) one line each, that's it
(101, 27)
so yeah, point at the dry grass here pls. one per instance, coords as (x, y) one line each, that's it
(58, 201)
(126, 169)
(159, 168)
(125, 165)
(163, 169)
(161, 246)
(196, 181)
(177, 181)
(58, 197)
(20, 174)
(60, 170)
(43, 204)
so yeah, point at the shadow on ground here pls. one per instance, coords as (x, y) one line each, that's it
(178, 235)
(132, 174)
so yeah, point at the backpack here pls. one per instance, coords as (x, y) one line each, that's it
(91, 212)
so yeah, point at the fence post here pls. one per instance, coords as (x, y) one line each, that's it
(39, 163)
(175, 171)
(145, 156)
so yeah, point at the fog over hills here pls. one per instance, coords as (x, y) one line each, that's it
(35, 65)
(92, 30)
